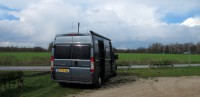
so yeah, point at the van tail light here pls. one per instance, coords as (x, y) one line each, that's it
(52, 63)
(92, 64)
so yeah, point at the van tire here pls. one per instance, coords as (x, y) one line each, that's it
(114, 74)
(62, 84)
(98, 83)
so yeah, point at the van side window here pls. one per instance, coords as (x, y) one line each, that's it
(96, 51)
(81, 52)
(108, 54)
(62, 52)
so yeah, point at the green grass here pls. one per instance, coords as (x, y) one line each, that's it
(163, 72)
(133, 58)
(24, 58)
(43, 58)
(40, 86)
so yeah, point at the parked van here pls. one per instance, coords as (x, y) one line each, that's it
(82, 58)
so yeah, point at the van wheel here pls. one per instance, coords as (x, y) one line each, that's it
(98, 83)
(114, 74)
(62, 84)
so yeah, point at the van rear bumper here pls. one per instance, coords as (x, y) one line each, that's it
(75, 82)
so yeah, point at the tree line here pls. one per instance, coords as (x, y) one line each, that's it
(172, 48)
(22, 49)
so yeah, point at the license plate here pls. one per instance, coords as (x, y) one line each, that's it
(63, 70)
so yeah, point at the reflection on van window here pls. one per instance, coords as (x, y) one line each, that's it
(108, 54)
(81, 52)
(63, 39)
(62, 52)
(81, 39)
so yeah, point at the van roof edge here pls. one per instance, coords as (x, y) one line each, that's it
(71, 34)
(92, 32)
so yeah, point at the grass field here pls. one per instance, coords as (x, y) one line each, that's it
(43, 58)
(133, 58)
(24, 58)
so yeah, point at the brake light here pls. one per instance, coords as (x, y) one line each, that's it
(71, 34)
(92, 64)
(52, 62)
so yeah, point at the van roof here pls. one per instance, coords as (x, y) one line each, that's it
(73, 34)
(82, 34)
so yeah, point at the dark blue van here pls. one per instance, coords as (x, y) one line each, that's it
(82, 58)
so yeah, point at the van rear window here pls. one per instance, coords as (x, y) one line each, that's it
(81, 52)
(62, 52)
(81, 39)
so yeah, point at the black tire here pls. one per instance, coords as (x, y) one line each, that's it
(114, 74)
(62, 84)
(98, 83)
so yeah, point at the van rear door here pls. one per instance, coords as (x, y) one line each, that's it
(72, 58)
(62, 62)
(81, 62)
(81, 52)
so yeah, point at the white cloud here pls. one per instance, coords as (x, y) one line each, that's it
(40, 21)
(191, 22)
(124, 22)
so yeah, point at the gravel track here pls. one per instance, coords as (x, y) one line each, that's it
(151, 87)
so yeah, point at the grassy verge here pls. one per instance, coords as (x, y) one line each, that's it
(39, 86)
(43, 86)
(163, 72)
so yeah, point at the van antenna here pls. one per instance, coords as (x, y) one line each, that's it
(87, 27)
(72, 27)
(78, 26)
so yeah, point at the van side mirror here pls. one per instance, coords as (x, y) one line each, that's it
(116, 56)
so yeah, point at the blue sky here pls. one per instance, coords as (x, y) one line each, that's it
(176, 18)
(129, 23)
(4, 13)
(2, 7)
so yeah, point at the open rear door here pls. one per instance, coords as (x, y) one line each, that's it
(101, 58)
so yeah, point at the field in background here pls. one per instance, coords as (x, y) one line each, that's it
(24, 58)
(137, 59)
(43, 58)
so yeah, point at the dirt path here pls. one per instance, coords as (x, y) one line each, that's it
(153, 87)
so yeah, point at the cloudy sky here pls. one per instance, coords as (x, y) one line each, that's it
(129, 23)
